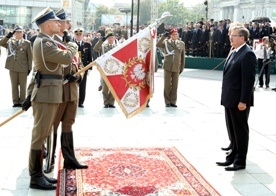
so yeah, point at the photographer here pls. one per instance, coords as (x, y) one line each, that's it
(263, 55)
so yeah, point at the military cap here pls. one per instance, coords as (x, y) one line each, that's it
(18, 28)
(61, 14)
(173, 30)
(78, 31)
(44, 15)
(108, 32)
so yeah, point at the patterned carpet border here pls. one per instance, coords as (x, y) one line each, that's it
(132, 172)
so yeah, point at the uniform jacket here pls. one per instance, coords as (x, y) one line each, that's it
(102, 47)
(50, 90)
(238, 79)
(70, 90)
(22, 59)
(175, 62)
(85, 53)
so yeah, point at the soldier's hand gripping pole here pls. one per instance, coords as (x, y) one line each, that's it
(80, 71)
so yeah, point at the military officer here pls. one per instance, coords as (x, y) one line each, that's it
(102, 47)
(84, 49)
(18, 62)
(46, 92)
(174, 63)
(67, 110)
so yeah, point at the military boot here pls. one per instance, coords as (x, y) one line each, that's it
(49, 170)
(67, 148)
(38, 180)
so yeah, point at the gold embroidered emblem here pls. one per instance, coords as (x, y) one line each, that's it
(144, 45)
(131, 100)
(111, 66)
(134, 73)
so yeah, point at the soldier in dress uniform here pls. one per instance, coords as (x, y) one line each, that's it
(46, 93)
(103, 47)
(174, 63)
(18, 62)
(67, 110)
(84, 49)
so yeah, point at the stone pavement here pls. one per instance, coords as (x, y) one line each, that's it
(196, 128)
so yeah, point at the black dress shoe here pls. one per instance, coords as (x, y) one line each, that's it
(167, 105)
(173, 105)
(226, 163)
(111, 106)
(226, 149)
(81, 106)
(51, 180)
(17, 105)
(105, 106)
(235, 168)
(147, 105)
(41, 183)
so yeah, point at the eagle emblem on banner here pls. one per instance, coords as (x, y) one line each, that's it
(128, 71)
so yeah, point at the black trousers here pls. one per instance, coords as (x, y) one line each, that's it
(238, 131)
(264, 68)
(82, 88)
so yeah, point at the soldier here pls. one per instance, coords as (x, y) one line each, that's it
(103, 47)
(174, 62)
(84, 49)
(67, 110)
(18, 62)
(45, 94)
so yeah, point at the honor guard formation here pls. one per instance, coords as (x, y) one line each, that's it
(56, 53)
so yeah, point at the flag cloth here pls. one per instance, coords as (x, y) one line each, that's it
(128, 71)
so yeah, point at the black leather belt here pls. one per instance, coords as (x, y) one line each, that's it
(51, 76)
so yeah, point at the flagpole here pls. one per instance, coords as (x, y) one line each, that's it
(12, 117)
(82, 70)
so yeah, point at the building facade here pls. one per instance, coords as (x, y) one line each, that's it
(21, 12)
(241, 10)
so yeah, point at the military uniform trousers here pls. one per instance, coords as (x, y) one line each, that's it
(107, 95)
(44, 116)
(82, 88)
(170, 86)
(66, 114)
(18, 84)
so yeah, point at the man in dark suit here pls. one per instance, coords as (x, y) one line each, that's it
(220, 41)
(237, 96)
(186, 38)
(84, 49)
(196, 39)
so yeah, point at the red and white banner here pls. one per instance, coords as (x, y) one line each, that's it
(128, 71)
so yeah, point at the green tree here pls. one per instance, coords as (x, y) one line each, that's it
(145, 11)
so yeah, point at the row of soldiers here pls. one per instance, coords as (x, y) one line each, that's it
(56, 58)
(55, 90)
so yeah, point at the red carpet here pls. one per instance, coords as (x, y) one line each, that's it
(132, 172)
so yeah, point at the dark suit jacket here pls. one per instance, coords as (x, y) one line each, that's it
(238, 79)
(196, 36)
(86, 55)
